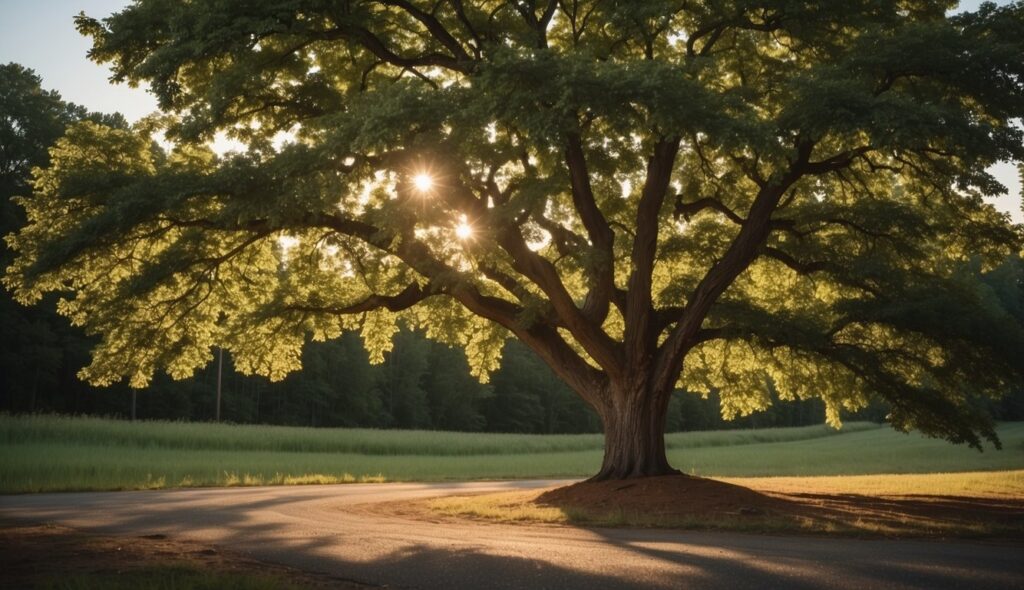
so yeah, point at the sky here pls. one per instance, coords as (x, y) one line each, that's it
(40, 34)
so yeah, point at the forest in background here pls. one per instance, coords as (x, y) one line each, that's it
(422, 384)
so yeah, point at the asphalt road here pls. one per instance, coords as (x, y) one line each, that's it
(323, 529)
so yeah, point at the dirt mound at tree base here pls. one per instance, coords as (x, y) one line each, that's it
(678, 495)
(681, 501)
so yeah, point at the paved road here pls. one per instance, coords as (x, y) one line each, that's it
(322, 529)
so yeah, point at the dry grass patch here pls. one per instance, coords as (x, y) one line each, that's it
(973, 484)
(503, 507)
(985, 504)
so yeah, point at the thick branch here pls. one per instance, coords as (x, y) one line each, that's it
(601, 235)
(743, 250)
(539, 270)
(437, 30)
(540, 25)
(542, 273)
(460, 12)
(541, 338)
(639, 337)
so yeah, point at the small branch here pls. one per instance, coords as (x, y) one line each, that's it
(407, 298)
(686, 210)
(437, 30)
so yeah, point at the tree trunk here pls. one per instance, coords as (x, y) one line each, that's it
(634, 437)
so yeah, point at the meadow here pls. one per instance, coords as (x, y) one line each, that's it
(53, 453)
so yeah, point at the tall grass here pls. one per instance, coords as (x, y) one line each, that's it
(45, 453)
(288, 439)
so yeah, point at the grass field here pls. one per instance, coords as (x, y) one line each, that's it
(47, 453)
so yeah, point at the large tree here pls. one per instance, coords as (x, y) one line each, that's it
(714, 195)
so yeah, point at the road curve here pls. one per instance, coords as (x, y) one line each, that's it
(321, 529)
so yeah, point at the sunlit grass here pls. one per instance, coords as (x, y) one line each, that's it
(503, 507)
(974, 484)
(880, 450)
(521, 508)
(46, 453)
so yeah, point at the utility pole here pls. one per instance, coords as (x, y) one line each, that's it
(220, 371)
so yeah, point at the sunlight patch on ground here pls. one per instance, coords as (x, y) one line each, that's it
(975, 484)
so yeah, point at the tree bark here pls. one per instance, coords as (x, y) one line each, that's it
(634, 435)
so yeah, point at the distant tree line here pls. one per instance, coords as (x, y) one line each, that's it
(421, 384)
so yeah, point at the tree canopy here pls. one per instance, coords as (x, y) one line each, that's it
(724, 196)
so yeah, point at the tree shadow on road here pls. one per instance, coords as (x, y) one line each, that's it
(312, 530)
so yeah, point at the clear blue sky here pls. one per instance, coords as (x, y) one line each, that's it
(40, 34)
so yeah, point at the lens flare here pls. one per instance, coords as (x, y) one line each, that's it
(463, 230)
(423, 182)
